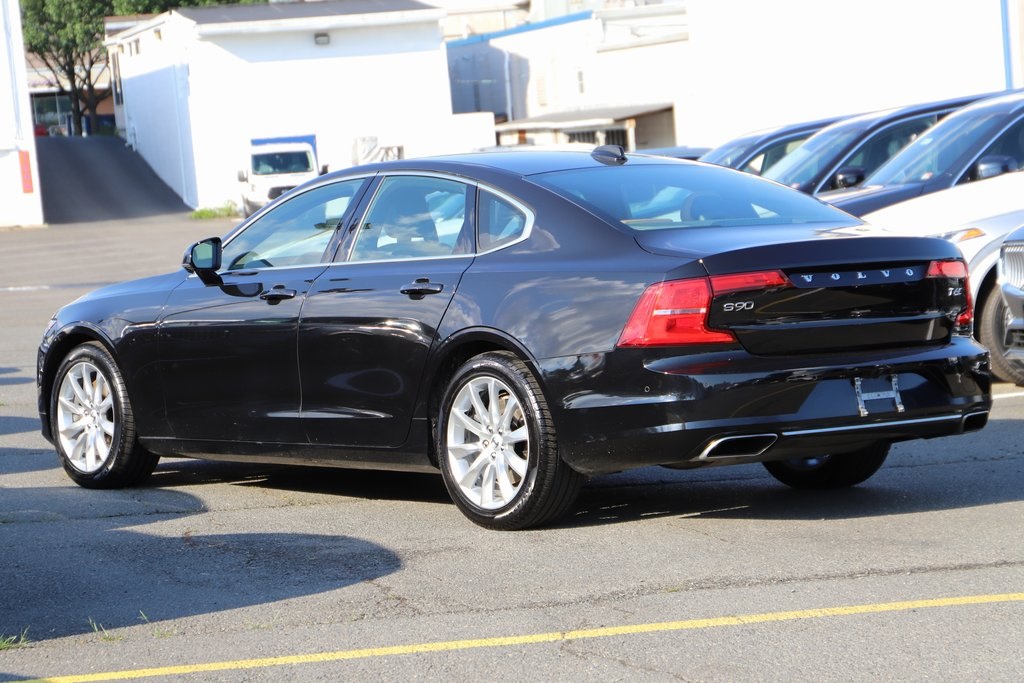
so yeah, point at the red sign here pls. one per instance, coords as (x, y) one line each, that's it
(26, 172)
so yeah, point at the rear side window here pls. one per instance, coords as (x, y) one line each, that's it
(654, 197)
(414, 217)
(499, 222)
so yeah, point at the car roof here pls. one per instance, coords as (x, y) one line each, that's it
(1006, 102)
(875, 119)
(789, 129)
(517, 164)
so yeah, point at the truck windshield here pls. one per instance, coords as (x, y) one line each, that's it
(272, 163)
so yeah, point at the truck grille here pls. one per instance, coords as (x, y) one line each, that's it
(1013, 264)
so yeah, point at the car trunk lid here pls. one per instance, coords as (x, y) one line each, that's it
(806, 291)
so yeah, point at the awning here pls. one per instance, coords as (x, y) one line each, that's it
(597, 117)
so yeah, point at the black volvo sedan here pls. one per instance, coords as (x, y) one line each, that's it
(520, 321)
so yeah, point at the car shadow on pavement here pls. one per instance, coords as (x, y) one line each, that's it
(355, 483)
(7, 381)
(22, 460)
(967, 473)
(82, 562)
(18, 425)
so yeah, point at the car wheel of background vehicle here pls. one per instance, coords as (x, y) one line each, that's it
(830, 471)
(93, 424)
(992, 334)
(497, 446)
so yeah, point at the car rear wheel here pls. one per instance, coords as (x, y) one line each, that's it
(992, 334)
(92, 422)
(830, 471)
(497, 446)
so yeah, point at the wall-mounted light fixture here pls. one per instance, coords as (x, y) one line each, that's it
(322, 38)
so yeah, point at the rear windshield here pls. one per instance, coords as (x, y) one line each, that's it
(655, 197)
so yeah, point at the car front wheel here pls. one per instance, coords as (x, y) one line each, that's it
(497, 446)
(92, 422)
(830, 471)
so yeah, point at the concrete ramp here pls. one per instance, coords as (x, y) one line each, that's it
(83, 180)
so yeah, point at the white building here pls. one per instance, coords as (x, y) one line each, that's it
(193, 86)
(606, 75)
(769, 63)
(726, 67)
(20, 202)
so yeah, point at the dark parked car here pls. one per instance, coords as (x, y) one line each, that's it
(980, 141)
(758, 151)
(1011, 276)
(845, 153)
(519, 321)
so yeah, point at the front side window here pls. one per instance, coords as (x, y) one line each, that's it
(886, 144)
(414, 217)
(1009, 144)
(294, 233)
(935, 152)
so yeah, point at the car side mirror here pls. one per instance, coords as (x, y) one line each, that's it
(850, 176)
(203, 259)
(992, 165)
(243, 176)
(324, 170)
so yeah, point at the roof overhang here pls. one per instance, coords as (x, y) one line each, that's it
(598, 117)
(321, 23)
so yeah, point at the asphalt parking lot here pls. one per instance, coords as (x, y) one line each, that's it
(231, 572)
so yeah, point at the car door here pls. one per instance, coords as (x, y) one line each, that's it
(228, 348)
(370, 320)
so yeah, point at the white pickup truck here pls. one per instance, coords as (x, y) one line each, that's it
(273, 169)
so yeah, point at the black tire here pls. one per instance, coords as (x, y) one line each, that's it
(523, 436)
(992, 334)
(117, 459)
(830, 471)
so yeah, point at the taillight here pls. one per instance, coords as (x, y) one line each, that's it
(671, 313)
(723, 284)
(956, 270)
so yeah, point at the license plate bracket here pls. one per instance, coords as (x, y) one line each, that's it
(892, 394)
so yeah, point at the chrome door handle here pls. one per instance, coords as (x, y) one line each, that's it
(278, 294)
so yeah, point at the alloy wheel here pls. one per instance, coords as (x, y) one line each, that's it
(86, 417)
(488, 445)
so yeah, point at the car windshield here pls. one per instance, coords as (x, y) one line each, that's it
(935, 152)
(656, 197)
(271, 163)
(729, 153)
(805, 162)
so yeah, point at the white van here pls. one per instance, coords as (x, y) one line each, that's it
(273, 169)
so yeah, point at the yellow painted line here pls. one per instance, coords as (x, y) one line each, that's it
(553, 637)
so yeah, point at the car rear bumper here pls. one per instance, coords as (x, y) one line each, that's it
(628, 409)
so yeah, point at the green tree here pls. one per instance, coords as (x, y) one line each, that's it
(130, 7)
(67, 35)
